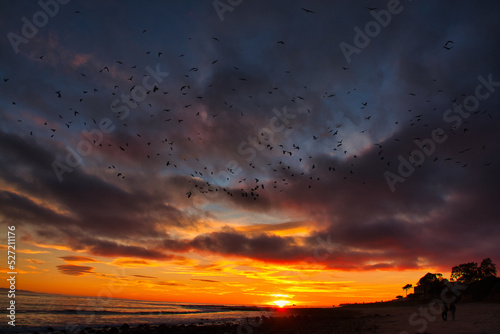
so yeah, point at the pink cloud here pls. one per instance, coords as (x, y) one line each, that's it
(80, 59)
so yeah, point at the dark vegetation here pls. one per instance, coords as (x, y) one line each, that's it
(479, 283)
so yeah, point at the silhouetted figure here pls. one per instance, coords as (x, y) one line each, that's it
(444, 315)
(453, 310)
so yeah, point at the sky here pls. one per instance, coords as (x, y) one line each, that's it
(246, 152)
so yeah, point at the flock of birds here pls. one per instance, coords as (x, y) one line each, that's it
(280, 163)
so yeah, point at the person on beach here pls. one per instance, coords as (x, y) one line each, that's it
(444, 315)
(453, 310)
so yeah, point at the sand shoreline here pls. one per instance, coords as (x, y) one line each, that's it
(426, 318)
(369, 318)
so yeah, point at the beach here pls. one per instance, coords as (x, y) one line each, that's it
(470, 318)
(481, 318)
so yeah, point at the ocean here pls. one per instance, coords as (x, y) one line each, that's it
(37, 311)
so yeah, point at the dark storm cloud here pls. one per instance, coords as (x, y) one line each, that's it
(217, 145)
(94, 206)
(114, 249)
(262, 247)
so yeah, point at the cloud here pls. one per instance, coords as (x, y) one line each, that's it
(205, 280)
(205, 156)
(169, 283)
(29, 251)
(35, 261)
(262, 246)
(144, 276)
(75, 270)
(287, 227)
(76, 258)
(80, 59)
(115, 249)
(125, 262)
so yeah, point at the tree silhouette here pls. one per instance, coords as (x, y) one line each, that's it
(470, 272)
(433, 283)
(465, 273)
(407, 287)
(487, 268)
(430, 278)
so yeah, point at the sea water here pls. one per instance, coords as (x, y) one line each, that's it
(37, 311)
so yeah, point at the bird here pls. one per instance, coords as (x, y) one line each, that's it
(446, 45)
(308, 11)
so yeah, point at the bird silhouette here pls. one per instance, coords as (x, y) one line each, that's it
(446, 45)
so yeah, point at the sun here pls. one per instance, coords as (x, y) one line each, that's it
(281, 303)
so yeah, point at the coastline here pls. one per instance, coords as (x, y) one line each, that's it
(368, 318)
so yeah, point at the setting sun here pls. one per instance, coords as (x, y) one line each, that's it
(281, 303)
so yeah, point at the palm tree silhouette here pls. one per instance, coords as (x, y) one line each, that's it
(407, 287)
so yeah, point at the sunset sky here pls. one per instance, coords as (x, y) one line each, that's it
(247, 152)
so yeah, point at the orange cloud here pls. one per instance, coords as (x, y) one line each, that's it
(29, 251)
(76, 258)
(75, 270)
(144, 276)
(28, 239)
(35, 261)
(170, 283)
(281, 229)
(205, 280)
(124, 262)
